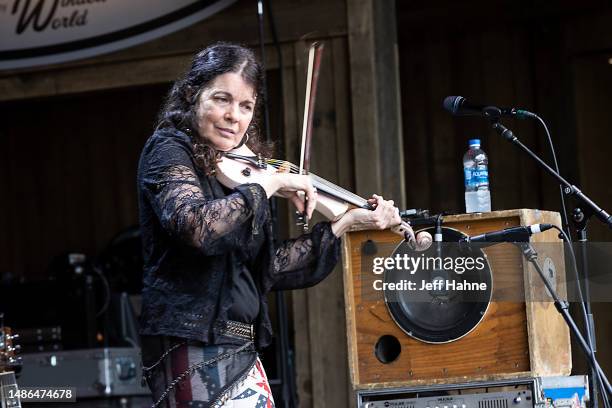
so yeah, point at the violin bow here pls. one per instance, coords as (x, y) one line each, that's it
(314, 62)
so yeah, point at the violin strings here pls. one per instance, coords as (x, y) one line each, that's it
(339, 191)
(320, 180)
(295, 170)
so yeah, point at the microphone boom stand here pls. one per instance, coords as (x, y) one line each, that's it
(569, 189)
(581, 218)
(563, 308)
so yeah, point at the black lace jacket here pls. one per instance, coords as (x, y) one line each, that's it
(196, 238)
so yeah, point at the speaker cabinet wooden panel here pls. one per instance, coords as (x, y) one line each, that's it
(515, 338)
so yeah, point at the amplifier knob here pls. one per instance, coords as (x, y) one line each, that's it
(126, 369)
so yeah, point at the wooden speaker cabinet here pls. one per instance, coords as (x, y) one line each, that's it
(515, 338)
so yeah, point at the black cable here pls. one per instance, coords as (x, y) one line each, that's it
(603, 394)
(280, 95)
(575, 268)
(568, 239)
(562, 306)
(584, 313)
(554, 156)
(287, 373)
(107, 292)
(266, 110)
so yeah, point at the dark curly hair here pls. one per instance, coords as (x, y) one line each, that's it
(179, 109)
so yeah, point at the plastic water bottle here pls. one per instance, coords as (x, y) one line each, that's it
(476, 176)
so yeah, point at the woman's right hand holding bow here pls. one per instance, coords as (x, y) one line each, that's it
(292, 187)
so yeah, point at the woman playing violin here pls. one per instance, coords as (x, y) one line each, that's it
(209, 255)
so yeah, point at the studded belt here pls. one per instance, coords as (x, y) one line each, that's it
(237, 329)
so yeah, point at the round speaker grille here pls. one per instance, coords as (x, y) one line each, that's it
(443, 303)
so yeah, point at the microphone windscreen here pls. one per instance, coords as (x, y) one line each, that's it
(453, 103)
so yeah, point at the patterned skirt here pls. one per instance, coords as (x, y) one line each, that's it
(188, 374)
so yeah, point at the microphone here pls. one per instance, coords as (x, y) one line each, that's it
(414, 213)
(513, 234)
(459, 106)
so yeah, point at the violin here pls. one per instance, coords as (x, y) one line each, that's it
(241, 166)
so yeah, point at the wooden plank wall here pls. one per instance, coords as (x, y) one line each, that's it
(482, 65)
(72, 179)
(321, 361)
(84, 123)
(592, 87)
(523, 58)
(552, 59)
(69, 168)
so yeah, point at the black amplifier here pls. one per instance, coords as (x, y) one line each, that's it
(519, 393)
(532, 392)
(102, 372)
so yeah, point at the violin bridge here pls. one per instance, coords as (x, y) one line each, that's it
(284, 167)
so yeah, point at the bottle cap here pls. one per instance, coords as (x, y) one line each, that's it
(474, 142)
